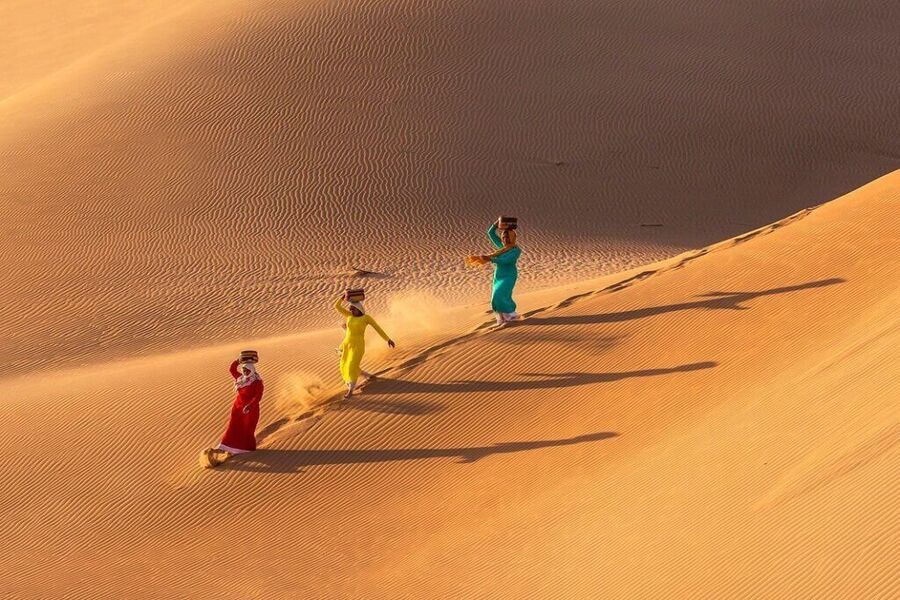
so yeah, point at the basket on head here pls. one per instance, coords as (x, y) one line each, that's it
(507, 223)
(355, 295)
(249, 356)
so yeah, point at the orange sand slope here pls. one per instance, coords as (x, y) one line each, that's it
(723, 424)
(178, 174)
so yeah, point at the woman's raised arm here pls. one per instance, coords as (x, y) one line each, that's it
(494, 236)
(339, 306)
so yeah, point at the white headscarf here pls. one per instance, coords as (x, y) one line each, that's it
(358, 306)
(245, 380)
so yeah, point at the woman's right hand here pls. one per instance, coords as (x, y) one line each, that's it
(391, 344)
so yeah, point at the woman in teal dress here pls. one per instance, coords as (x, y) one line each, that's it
(505, 272)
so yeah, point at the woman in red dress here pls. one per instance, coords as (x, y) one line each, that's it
(240, 436)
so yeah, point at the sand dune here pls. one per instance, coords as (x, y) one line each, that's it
(39, 43)
(177, 175)
(720, 424)
(183, 180)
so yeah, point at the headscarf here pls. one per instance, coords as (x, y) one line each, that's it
(358, 306)
(245, 380)
(506, 247)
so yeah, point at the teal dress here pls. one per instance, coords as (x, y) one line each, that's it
(505, 275)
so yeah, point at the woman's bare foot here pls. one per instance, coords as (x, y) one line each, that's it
(206, 458)
(213, 457)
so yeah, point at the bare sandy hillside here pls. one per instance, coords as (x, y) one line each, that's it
(175, 175)
(723, 424)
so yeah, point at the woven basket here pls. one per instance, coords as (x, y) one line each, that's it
(355, 295)
(507, 223)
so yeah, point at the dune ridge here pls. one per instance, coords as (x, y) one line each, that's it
(722, 423)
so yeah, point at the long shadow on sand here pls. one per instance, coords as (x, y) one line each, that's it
(534, 381)
(414, 408)
(714, 301)
(393, 407)
(292, 461)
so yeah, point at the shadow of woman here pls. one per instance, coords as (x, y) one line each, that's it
(293, 461)
(712, 301)
(529, 381)
(393, 407)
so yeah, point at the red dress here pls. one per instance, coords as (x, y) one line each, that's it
(241, 432)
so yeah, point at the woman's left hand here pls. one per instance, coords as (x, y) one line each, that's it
(391, 344)
(246, 409)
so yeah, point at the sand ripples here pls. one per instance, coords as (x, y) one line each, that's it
(470, 457)
(215, 191)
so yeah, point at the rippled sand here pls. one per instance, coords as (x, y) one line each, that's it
(678, 416)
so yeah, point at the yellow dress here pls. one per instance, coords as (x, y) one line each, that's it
(354, 345)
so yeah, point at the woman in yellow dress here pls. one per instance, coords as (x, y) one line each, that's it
(354, 345)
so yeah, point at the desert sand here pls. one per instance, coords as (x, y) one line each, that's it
(183, 174)
(701, 402)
